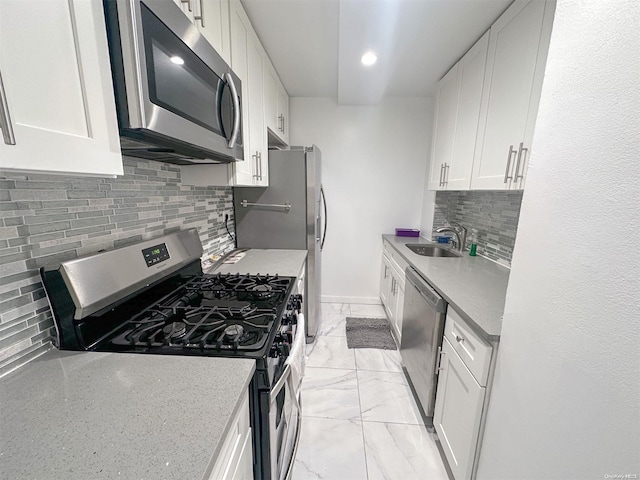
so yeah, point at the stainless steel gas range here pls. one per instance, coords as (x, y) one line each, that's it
(153, 298)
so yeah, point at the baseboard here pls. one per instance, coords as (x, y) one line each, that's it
(361, 300)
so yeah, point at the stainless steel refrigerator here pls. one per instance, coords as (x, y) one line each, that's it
(291, 213)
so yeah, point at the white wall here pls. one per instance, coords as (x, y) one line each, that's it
(566, 402)
(374, 169)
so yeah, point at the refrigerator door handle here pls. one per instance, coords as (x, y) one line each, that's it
(324, 203)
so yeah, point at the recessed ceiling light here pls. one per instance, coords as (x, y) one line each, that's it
(369, 58)
(177, 60)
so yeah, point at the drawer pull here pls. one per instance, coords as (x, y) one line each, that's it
(459, 339)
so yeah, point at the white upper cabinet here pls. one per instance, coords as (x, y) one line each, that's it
(277, 106)
(470, 80)
(212, 19)
(57, 94)
(458, 101)
(518, 45)
(444, 128)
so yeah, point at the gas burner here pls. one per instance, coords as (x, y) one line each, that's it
(175, 330)
(262, 291)
(234, 331)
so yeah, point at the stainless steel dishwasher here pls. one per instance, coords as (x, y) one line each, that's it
(422, 331)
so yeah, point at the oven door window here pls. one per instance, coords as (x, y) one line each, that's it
(179, 81)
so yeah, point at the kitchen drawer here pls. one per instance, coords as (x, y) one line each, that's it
(473, 350)
(396, 260)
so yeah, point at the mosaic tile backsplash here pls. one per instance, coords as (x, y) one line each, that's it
(49, 218)
(494, 214)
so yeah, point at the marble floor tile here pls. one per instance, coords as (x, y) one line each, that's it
(330, 449)
(406, 452)
(364, 310)
(335, 308)
(330, 393)
(376, 360)
(331, 352)
(332, 319)
(386, 397)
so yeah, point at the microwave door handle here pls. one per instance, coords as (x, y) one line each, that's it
(236, 110)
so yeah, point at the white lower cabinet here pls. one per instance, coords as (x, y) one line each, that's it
(235, 459)
(457, 412)
(392, 281)
(466, 363)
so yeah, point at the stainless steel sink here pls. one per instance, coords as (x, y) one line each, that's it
(432, 250)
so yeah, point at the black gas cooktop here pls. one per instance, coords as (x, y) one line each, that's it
(230, 315)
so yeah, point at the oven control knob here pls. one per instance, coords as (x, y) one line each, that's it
(284, 349)
(295, 302)
(274, 352)
(290, 319)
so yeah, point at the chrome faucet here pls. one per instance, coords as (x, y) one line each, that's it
(459, 231)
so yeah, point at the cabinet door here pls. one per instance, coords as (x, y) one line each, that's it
(283, 113)
(385, 282)
(507, 98)
(470, 80)
(56, 73)
(399, 309)
(444, 127)
(244, 468)
(243, 171)
(458, 408)
(257, 128)
(271, 99)
(212, 19)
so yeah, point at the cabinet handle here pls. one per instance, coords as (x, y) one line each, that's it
(506, 172)
(188, 2)
(5, 118)
(385, 269)
(440, 354)
(441, 171)
(255, 157)
(201, 16)
(459, 339)
(521, 150)
(281, 123)
(445, 180)
(260, 164)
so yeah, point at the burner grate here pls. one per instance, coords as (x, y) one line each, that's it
(210, 313)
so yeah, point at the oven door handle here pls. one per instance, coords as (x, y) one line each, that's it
(296, 442)
(280, 384)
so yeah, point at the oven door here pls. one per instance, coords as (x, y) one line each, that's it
(176, 84)
(285, 412)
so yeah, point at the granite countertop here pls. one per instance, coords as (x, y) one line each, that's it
(474, 286)
(80, 415)
(287, 263)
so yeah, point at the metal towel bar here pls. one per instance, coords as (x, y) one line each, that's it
(286, 206)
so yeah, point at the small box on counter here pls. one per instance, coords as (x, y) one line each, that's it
(407, 232)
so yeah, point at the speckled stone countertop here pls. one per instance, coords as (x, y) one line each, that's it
(86, 415)
(287, 263)
(474, 286)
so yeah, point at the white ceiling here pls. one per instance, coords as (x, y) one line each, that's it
(316, 45)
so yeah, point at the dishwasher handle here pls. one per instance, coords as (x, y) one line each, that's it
(426, 291)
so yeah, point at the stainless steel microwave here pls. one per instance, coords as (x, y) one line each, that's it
(177, 100)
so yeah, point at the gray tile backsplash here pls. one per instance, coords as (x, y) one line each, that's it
(493, 213)
(49, 218)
